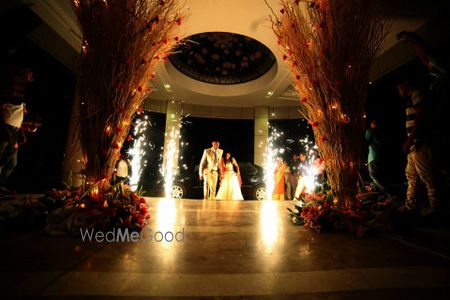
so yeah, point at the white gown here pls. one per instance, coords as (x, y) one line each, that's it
(229, 188)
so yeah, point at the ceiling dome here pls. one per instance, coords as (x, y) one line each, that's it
(222, 58)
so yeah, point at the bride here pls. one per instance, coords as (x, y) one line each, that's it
(230, 182)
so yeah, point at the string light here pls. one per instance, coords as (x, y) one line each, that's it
(84, 46)
(108, 130)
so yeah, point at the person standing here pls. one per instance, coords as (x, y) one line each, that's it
(294, 174)
(12, 105)
(278, 189)
(375, 158)
(440, 92)
(301, 170)
(123, 169)
(287, 183)
(209, 169)
(230, 181)
(421, 136)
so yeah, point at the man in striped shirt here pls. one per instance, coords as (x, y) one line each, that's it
(421, 136)
(438, 67)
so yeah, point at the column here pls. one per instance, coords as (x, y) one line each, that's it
(261, 134)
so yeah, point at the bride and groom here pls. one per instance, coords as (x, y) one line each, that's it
(214, 167)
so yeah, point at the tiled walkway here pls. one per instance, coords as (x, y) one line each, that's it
(242, 250)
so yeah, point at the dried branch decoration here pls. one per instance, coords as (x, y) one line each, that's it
(122, 41)
(329, 46)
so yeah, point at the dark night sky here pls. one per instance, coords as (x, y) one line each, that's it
(235, 136)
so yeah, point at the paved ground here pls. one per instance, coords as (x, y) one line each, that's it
(231, 250)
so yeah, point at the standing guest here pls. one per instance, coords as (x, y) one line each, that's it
(123, 169)
(12, 104)
(230, 181)
(301, 169)
(293, 163)
(209, 169)
(287, 183)
(294, 173)
(375, 159)
(302, 164)
(439, 88)
(280, 169)
(421, 136)
(319, 165)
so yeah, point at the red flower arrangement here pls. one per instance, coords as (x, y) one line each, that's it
(102, 206)
(319, 211)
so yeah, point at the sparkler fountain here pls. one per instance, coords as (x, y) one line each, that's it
(270, 161)
(171, 151)
(137, 151)
(309, 170)
(170, 164)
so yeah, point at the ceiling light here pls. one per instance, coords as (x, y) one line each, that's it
(269, 94)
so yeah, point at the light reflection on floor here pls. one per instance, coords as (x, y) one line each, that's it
(166, 215)
(238, 249)
(262, 221)
(269, 224)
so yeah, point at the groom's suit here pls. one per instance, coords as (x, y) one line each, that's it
(209, 168)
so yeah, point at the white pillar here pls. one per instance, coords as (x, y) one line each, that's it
(261, 134)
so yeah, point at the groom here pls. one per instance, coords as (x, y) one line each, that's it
(209, 169)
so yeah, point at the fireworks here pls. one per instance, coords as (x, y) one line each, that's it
(270, 159)
(311, 167)
(171, 155)
(137, 151)
(170, 166)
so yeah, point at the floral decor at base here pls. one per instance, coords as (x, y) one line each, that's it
(320, 212)
(101, 207)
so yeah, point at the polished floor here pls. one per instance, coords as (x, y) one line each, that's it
(230, 250)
